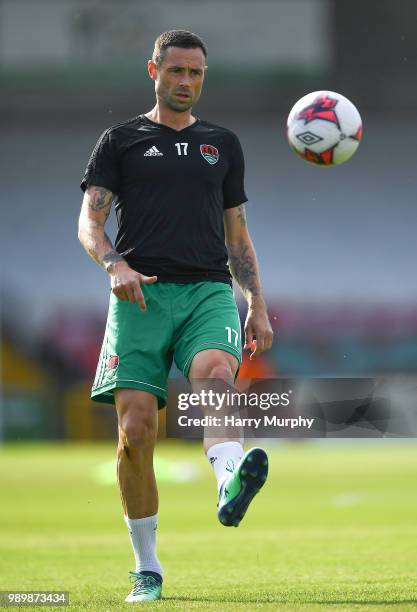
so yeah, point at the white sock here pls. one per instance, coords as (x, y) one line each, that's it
(143, 537)
(224, 457)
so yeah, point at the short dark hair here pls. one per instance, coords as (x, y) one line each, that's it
(176, 38)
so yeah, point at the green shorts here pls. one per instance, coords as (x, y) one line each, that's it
(180, 321)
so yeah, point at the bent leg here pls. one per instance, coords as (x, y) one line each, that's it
(239, 476)
(224, 451)
(222, 366)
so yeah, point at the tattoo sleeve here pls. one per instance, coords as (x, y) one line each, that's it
(94, 214)
(242, 257)
(244, 267)
(241, 215)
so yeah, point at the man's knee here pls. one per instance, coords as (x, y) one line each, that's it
(137, 434)
(138, 424)
(221, 371)
(214, 363)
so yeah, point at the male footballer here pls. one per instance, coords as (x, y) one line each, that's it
(178, 187)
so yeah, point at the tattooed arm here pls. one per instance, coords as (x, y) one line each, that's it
(242, 257)
(244, 267)
(95, 209)
(94, 214)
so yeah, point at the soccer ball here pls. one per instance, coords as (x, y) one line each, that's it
(324, 128)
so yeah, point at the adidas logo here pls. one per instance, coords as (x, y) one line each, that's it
(152, 152)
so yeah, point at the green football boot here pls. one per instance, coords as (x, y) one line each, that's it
(147, 587)
(240, 488)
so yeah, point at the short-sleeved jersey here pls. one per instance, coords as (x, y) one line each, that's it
(171, 189)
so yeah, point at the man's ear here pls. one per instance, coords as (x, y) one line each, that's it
(152, 69)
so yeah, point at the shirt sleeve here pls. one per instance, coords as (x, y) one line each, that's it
(233, 185)
(103, 166)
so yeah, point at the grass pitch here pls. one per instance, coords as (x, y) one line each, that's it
(335, 528)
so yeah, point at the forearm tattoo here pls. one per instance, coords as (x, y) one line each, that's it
(241, 215)
(100, 248)
(93, 237)
(111, 256)
(242, 262)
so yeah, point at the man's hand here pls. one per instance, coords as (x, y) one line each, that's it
(257, 324)
(125, 283)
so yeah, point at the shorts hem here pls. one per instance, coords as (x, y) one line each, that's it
(104, 393)
(211, 345)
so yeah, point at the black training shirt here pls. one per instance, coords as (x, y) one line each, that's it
(171, 189)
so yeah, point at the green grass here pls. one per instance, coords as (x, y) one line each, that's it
(334, 528)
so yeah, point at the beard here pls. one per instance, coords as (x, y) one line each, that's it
(176, 105)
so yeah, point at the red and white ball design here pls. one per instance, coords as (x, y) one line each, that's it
(324, 128)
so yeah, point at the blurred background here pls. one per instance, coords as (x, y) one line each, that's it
(337, 247)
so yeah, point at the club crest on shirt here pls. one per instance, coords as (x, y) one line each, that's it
(210, 153)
